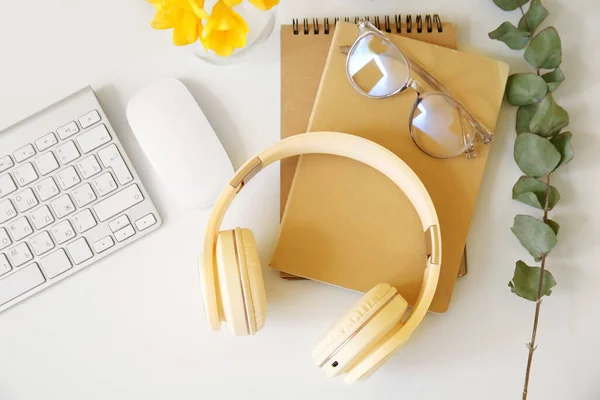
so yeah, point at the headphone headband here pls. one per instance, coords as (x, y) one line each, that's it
(349, 146)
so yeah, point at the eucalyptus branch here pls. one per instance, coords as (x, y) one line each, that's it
(540, 149)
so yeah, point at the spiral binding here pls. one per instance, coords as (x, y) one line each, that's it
(431, 23)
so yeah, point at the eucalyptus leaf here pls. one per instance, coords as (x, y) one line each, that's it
(535, 235)
(544, 50)
(525, 89)
(533, 17)
(524, 115)
(513, 37)
(531, 191)
(554, 225)
(549, 117)
(562, 143)
(509, 5)
(554, 79)
(526, 282)
(535, 155)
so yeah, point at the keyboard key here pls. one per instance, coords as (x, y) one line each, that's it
(145, 222)
(67, 130)
(89, 167)
(25, 174)
(63, 232)
(119, 223)
(79, 251)
(84, 221)
(83, 195)
(124, 233)
(111, 158)
(5, 163)
(25, 200)
(56, 263)
(94, 138)
(118, 202)
(4, 239)
(67, 178)
(24, 153)
(46, 189)
(89, 119)
(7, 211)
(41, 243)
(46, 141)
(7, 185)
(4, 265)
(105, 184)
(67, 152)
(46, 163)
(103, 244)
(20, 228)
(20, 282)
(20, 254)
(41, 217)
(63, 206)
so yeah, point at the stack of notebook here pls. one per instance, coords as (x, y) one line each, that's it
(342, 222)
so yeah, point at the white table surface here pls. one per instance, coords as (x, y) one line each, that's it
(132, 326)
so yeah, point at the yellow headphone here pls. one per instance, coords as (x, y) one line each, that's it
(231, 275)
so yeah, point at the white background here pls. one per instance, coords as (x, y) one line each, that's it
(132, 326)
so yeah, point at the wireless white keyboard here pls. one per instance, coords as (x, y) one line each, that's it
(69, 196)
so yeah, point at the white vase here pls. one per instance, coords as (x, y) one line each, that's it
(260, 23)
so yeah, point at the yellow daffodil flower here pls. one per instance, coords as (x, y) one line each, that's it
(225, 30)
(183, 16)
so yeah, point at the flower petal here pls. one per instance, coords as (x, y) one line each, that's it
(160, 22)
(198, 7)
(264, 5)
(186, 30)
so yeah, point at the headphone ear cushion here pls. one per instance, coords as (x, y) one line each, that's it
(256, 286)
(230, 297)
(367, 322)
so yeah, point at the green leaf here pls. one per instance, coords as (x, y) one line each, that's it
(509, 5)
(533, 17)
(554, 225)
(535, 155)
(549, 118)
(514, 38)
(554, 79)
(533, 234)
(530, 191)
(525, 89)
(562, 143)
(544, 50)
(524, 115)
(526, 281)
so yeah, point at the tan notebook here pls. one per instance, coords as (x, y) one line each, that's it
(304, 48)
(347, 225)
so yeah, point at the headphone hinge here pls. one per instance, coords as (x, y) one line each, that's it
(245, 173)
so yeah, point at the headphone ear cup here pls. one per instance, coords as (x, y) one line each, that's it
(253, 283)
(377, 356)
(360, 330)
(230, 297)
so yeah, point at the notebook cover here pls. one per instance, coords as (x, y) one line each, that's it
(303, 58)
(348, 225)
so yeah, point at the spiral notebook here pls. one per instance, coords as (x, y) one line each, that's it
(347, 225)
(304, 47)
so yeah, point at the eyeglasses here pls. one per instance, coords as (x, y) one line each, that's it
(438, 124)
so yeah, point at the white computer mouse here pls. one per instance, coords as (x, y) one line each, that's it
(179, 143)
